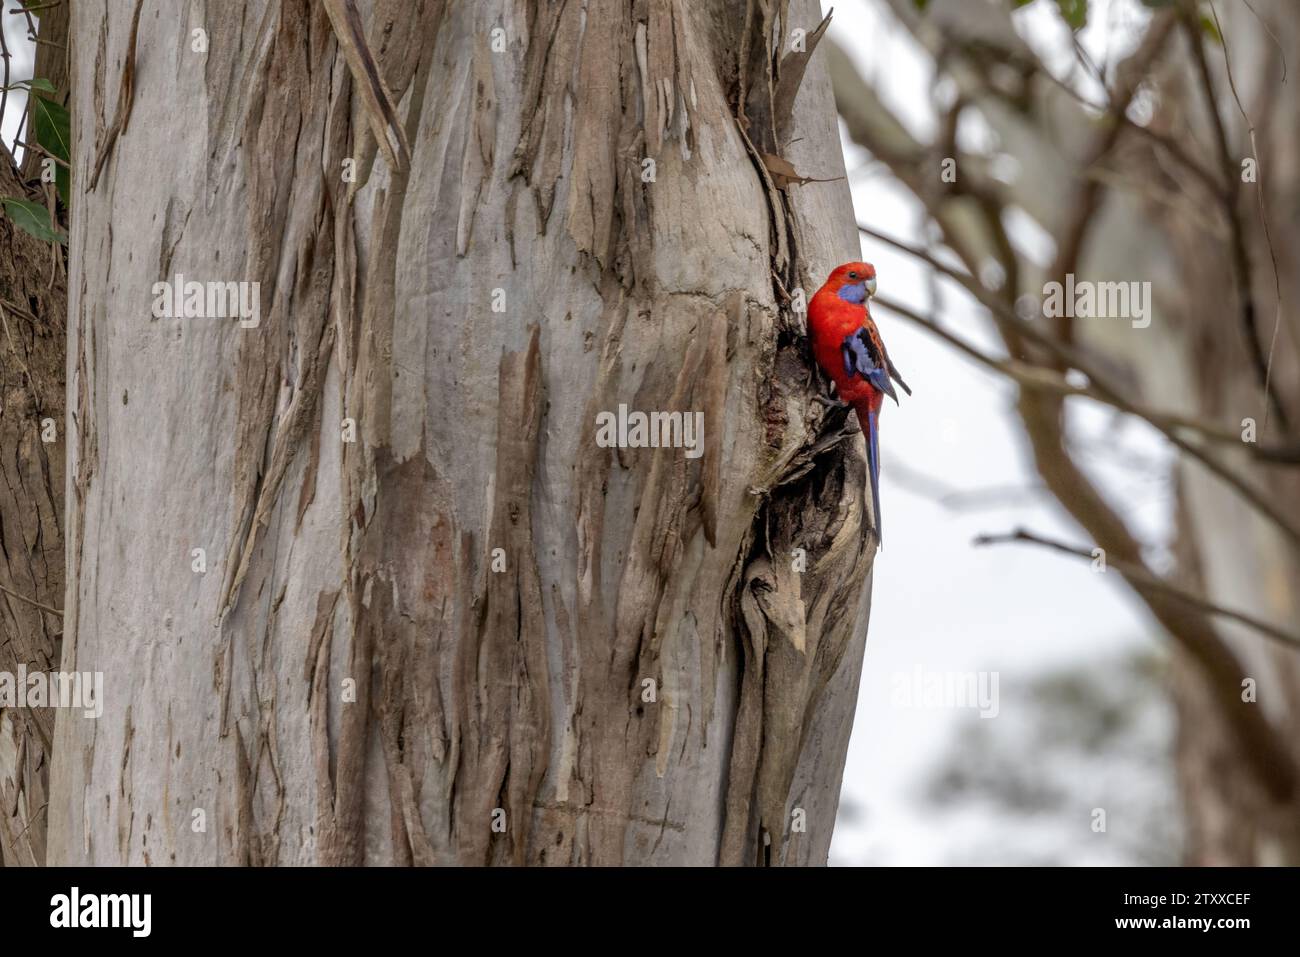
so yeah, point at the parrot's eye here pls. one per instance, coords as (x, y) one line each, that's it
(853, 275)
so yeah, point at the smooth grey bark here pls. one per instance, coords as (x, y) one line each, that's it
(351, 466)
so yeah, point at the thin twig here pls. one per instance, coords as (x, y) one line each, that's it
(37, 147)
(18, 310)
(1240, 253)
(1267, 29)
(31, 601)
(1263, 212)
(1142, 576)
(4, 94)
(953, 499)
(32, 820)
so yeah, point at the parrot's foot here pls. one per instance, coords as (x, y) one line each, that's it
(828, 402)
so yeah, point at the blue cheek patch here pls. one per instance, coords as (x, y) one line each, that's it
(855, 293)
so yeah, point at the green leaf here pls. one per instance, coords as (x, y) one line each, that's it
(1074, 12)
(1017, 4)
(53, 127)
(40, 84)
(32, 218)
(1211, 30)
(54, 134)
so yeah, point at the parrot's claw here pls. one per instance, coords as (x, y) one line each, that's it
(828, 402)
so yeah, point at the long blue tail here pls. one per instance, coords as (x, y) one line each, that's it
(873, 463)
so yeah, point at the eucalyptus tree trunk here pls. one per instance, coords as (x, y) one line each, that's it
(364, 582)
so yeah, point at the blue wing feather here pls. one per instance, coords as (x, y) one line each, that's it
(860, 358)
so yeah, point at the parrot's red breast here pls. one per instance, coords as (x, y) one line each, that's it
(848, 347)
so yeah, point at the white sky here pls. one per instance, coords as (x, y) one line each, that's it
(20, 68)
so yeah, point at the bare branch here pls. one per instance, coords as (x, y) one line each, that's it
(1137, 573)
(4, 91)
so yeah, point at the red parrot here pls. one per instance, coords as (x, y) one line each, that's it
(848, 347)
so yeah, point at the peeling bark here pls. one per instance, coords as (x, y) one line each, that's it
(434, 602)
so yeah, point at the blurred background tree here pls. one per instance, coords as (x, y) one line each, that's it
(1174, 164)
(1092, 739)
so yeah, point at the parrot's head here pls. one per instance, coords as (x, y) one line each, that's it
(853, 282)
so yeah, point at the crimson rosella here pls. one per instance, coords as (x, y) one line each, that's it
(848, 347)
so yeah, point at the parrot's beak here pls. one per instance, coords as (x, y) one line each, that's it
(871, 286)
